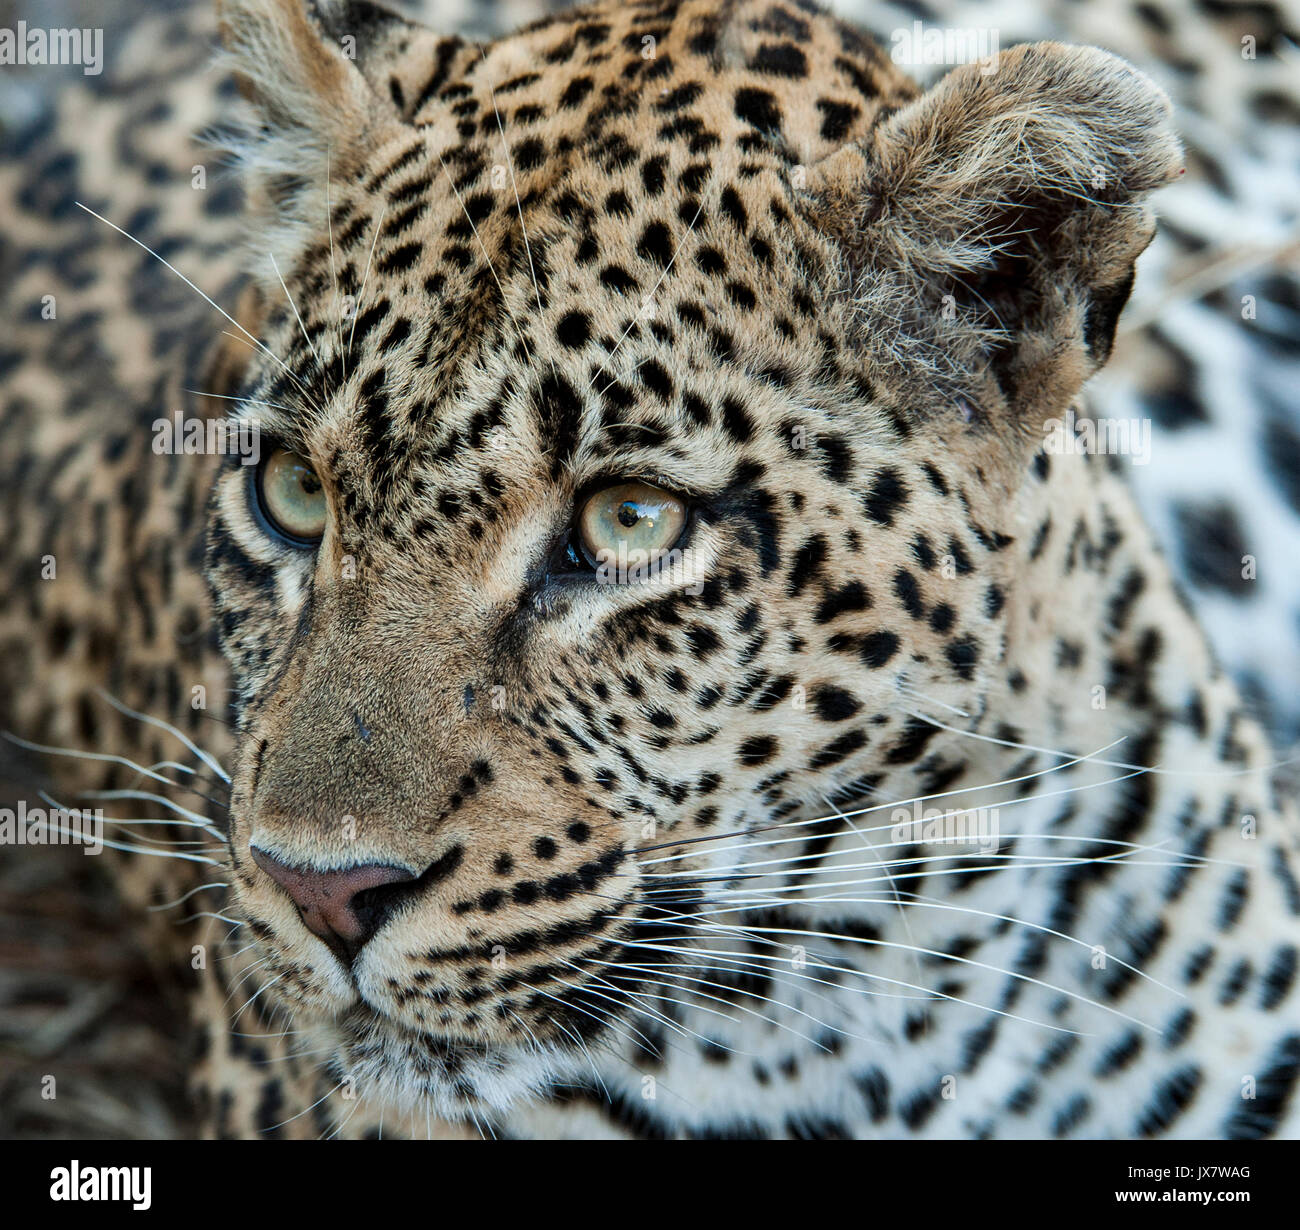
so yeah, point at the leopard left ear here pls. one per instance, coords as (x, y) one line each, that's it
(990, 227)
(329, 83)
(309, 96)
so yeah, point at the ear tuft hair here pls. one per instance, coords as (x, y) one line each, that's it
(1001, 212)
(322, 84)
(306, 91)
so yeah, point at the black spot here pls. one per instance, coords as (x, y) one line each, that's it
(545, 848)
(656, 245)
(1279, 977)
(888, 493)
(573, 330)
(575, 92)
(1212, 545)
(757, 750)
(759, 108)
(808, 561)
(734, 208)
(877, 648)
(838, 749)
(1252, 1120)
(736, 420)
(780, 60)
(913, 741)
(837, 118)
(653, 172)
(942, 618)
(909, 593)
(850, 597)
(618, 279)
(1170, 1098)
(835, 704)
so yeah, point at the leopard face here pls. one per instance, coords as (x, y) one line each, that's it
(727, 286)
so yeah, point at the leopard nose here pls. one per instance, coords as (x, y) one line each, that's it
(345, 907)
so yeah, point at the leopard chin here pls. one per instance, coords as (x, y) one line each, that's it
(453, 1078)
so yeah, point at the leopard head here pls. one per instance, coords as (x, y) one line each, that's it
(642, 401)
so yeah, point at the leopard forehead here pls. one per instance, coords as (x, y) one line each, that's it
(583, 242)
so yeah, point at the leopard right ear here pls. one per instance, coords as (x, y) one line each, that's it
(308, 96)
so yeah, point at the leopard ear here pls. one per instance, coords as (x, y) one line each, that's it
(308, 95)
(991, 225)
(328, 83)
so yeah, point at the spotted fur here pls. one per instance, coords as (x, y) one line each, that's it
(657, 884)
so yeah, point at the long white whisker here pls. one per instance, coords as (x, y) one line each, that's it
(659, 282)
(862, 811)
(297, 316)
(195, 289)
(927, 993)
(195, 817)
(519, 205)
(174, 731)
(361, 294)
(117, 845)
(184, 897)
(879, 943)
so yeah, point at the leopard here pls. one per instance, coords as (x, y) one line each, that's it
(668, 665)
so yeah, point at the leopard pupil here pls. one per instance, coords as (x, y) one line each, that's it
(628, 515)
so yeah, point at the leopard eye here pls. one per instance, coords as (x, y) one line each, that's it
(630, 517)
(291, 497)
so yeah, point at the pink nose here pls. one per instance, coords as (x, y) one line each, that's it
(329, 900)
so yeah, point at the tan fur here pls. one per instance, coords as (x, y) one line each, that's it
(476, 332)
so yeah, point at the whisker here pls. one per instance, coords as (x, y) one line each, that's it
(260, 345)
(174, 731)
(334, 308)
(866, 845)
(184, 897)
(523, 341)
(659, 282)
(301, 327)
(1109, 764)
(77, 753)
(519, 206)
(671, 971)
(361, 294)
(629, 994)
(925, 993)
(920, 798)
(251, 401)
(193, 816)
(179, 855)
(879, 943)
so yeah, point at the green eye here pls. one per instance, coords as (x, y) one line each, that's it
(291, 497)
(628, 518)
